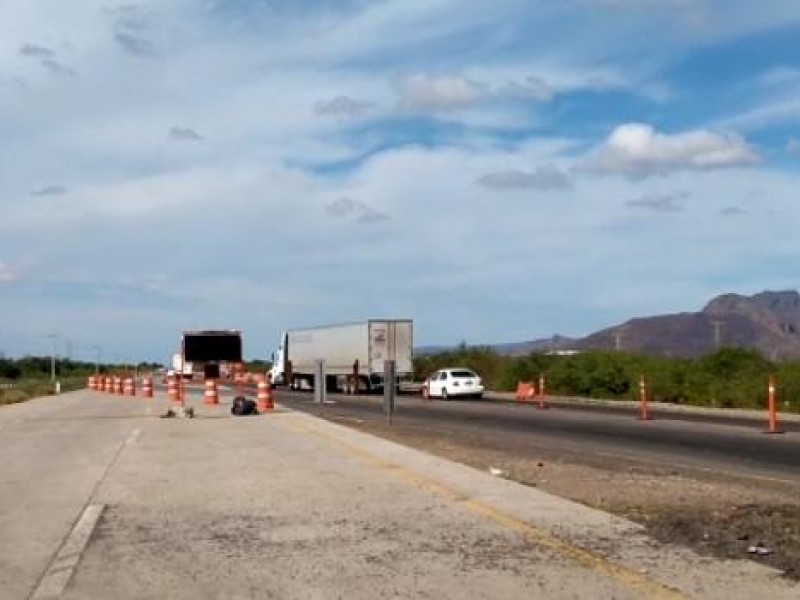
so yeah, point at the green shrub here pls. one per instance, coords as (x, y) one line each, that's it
(731, 377)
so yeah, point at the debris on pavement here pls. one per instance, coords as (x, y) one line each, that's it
(183, 412)
(243, 407)
(760, 549)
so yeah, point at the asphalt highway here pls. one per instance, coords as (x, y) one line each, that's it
(736, 448)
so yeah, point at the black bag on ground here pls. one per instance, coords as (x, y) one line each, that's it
(243, 407)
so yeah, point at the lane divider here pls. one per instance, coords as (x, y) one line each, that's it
(61, 569)
(536, 535)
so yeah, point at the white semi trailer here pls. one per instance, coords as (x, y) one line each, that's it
(181, 367)
(350, 352)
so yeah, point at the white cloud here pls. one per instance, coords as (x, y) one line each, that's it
(7, 274)
(660, 203)
(778, 76)
(710, 20)
(345, 208)
(184, 134)
(777, 100)
(50, 190)
(256, 89)
(693, 7)
(343, 107)
(531, 88)
(56, 68)
(421, 91)
(732, 211)
(36, 51)
(638, 150)
(542, 178)
(130, 23)
(542, 80)
(463, 93)
(785, 109)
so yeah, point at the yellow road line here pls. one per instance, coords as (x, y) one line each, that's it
(536, 535)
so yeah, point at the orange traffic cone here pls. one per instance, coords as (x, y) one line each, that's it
(211, 395)
(172, 390)
(524, 391)
(264, 395)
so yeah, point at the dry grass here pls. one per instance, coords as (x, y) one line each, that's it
(25, 389)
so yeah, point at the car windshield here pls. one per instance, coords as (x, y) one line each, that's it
(463, 373)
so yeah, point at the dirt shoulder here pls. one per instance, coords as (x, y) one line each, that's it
(714, 514)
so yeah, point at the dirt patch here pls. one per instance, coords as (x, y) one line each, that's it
(768, 534)
(715, 515)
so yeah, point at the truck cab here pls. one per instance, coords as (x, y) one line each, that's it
(277, 373)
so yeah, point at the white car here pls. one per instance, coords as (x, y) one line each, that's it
(452, 383)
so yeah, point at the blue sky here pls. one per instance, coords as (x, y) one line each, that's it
(497, 171)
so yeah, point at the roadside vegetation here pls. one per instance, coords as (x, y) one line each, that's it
(29, 377)
(729, 378)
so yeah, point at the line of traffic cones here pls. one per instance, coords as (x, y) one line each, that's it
(127, 387)
(120, 386)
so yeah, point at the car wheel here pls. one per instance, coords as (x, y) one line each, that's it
(444, 394)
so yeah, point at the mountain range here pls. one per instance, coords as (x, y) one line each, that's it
(768, 322)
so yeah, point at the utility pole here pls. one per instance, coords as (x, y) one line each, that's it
(97, 364)
(53, 337)
(618, 335)
(717, 325)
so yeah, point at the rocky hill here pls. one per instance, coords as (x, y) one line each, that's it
(768, 322)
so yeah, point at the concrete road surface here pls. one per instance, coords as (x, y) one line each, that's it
(100, 498)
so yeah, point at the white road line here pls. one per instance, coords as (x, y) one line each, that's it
(60, 571)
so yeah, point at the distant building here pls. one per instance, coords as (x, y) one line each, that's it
(564, 352)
